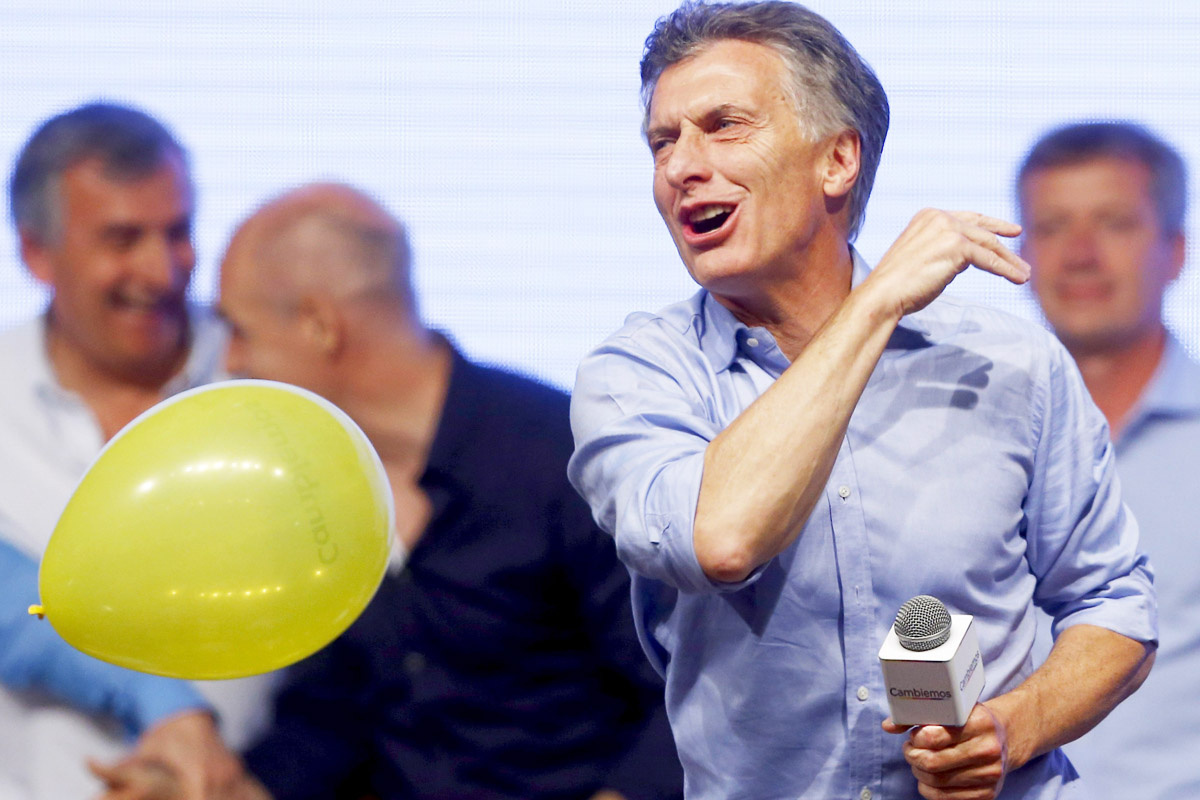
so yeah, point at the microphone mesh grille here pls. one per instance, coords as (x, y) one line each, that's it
(922, 623)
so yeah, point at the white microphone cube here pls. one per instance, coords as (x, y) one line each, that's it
(938, 686)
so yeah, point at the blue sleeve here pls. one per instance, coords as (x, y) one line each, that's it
(1082, 539)
(34, 657)
(642, 424)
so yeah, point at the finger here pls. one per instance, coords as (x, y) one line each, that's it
(1000, 227)
(988, 239)
(892, 727)
(982, 775)
(112, 776)
(934, 737)
(974, 752)
(999, 260)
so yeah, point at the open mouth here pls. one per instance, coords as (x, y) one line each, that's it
(707, 219)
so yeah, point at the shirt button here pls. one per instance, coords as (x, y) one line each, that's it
(843, 492)
(863, 693)
(865, 794)
(752, 342)
(414, 663)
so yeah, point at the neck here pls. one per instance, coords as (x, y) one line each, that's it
(395, 391)
(794, 309)
(1116, 377)
(115, 397)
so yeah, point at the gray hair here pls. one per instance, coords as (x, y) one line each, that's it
(833, 88)
(1080, 142)
(129, 143)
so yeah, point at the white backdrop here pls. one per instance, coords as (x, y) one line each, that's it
(505, 132)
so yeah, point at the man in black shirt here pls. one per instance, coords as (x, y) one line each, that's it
(499, 660)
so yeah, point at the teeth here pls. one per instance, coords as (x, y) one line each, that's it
(708, 212)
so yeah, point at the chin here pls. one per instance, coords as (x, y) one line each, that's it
(718, 272)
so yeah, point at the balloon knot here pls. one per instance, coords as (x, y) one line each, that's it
(38, 611)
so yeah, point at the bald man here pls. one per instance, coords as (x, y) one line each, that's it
(500, 660)
(315, 291)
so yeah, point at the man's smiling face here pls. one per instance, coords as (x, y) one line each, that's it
(736, 179)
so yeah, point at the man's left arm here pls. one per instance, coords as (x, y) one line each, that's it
(1082, 547)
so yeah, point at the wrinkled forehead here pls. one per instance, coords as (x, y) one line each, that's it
(722, 71)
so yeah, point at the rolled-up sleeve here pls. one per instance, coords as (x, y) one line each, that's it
(641, 428)
(1082, 539)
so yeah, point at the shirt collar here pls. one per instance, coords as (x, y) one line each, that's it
(456, 433)
(41, 374)
(1175, 388)
(203, 364)
(722, 335)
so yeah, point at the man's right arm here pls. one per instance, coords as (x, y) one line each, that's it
(34, 657)
(174, 722)
(761, 476)
(765, 472)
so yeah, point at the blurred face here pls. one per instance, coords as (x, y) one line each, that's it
(120, 269)
(736, 181)
(1100, 258)
(267, 340)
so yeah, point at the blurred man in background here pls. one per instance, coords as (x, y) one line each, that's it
(500, 659)
(1103, 207)
(102, 201)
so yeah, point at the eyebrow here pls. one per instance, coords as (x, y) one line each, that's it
(708, 116)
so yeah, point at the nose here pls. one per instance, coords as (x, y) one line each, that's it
(1082, 247)
(687, 160)
(165, 262)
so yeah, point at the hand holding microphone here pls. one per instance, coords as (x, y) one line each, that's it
(933, 674)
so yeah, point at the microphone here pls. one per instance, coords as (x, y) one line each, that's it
(932, 667)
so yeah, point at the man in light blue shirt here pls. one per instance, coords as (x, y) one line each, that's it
(1103, 206)
(803, 445)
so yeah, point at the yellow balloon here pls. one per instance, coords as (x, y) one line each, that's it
(228, 531)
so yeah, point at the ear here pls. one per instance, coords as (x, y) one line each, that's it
(37, 257)
(1178, 254)
(322, 325)
(842, 163)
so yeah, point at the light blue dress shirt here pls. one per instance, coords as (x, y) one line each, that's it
(1149, 747)
(33, 657)
(975, 468)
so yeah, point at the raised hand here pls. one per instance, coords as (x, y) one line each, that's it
(937, 246)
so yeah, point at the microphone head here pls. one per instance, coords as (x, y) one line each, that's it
(922, 623)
